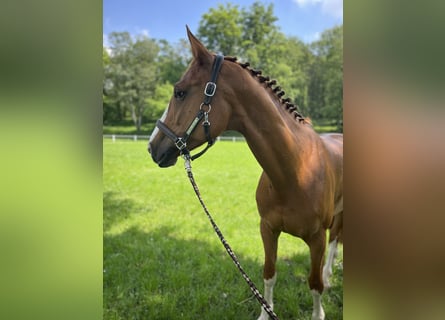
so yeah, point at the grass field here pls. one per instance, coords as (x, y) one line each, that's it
(162, 259)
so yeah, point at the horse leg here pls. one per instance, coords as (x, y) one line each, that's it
(334, 237)
(270, 243)
(317, 246)
(327, 269)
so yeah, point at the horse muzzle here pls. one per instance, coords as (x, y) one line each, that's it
(164, 156)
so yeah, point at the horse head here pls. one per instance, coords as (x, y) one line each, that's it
(196, 103)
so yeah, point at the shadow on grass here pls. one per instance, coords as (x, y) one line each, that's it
(117, 209)
(156, 275)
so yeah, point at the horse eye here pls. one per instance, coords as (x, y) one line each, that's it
(179, 94)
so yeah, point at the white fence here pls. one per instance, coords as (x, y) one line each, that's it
(134, 137)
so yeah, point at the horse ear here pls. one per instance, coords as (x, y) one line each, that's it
(200, 53)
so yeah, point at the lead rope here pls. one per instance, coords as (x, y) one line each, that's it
(229, 250)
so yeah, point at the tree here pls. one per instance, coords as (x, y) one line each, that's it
(130, 76)
(259, 35)
(246, 33)
(326, 87)
(253, 36)
(316, 88)
(172, 60)
(159, 101)
(116, 76)
(220, 29)
(143, 82)
(288, 62)
(108, 103)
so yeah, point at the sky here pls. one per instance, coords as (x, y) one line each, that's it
(166, 19)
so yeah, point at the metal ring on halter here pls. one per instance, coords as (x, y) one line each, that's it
(180, 144)
(203, 104)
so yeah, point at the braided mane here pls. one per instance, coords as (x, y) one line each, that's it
(286, 102)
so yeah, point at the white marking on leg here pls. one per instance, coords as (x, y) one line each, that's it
(327, 269)
(156, 130)
(268, 295)
(317, 312)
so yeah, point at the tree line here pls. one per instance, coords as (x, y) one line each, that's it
(139, 73)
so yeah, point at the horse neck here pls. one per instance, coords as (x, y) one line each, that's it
(278, 142)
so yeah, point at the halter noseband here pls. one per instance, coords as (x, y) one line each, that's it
(209, 92)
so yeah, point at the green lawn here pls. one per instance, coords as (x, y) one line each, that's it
(162, 259)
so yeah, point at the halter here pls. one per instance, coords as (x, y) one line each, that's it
(204, 110)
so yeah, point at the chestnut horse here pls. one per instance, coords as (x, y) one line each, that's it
(300, 191)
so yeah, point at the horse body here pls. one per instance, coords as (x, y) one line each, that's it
(300, 189)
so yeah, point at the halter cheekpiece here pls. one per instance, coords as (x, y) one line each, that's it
(203, 113)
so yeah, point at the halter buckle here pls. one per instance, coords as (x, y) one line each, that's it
(210, 89)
